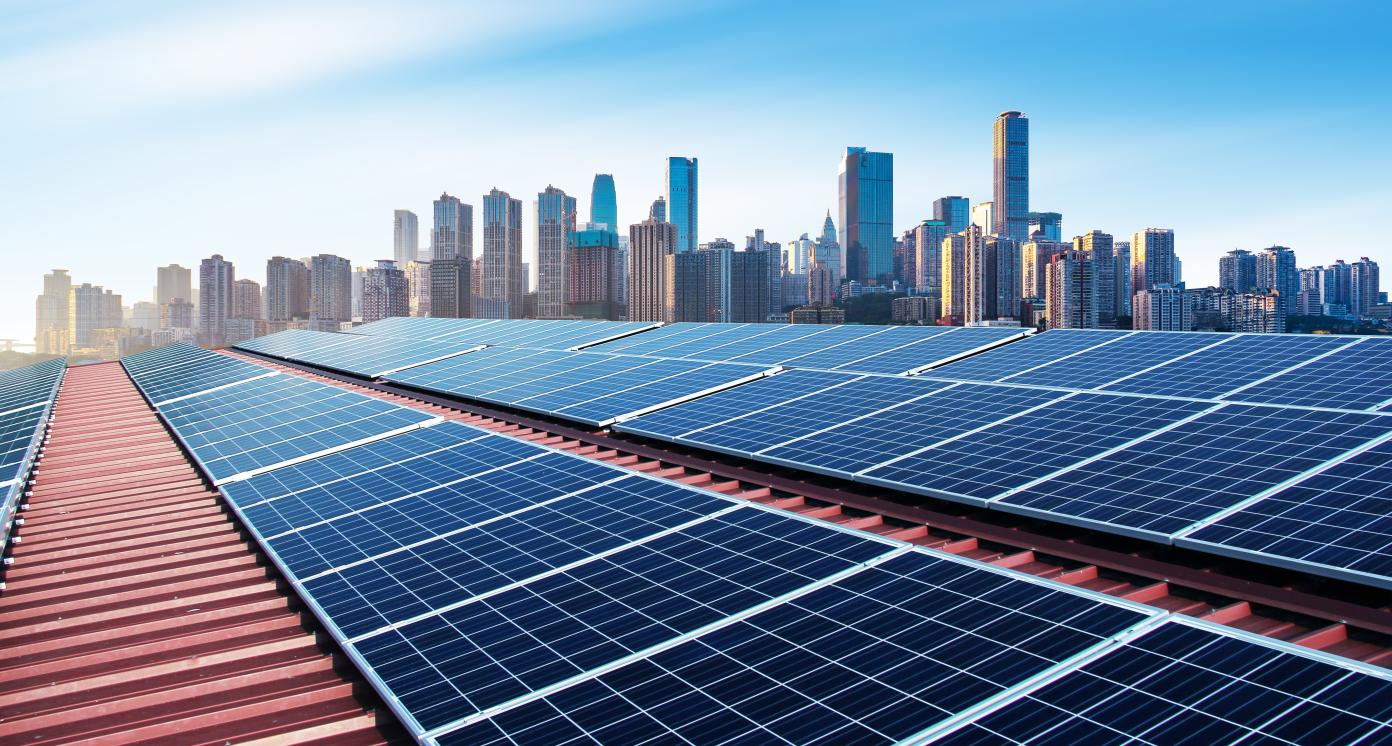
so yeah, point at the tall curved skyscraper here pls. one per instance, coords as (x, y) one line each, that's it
(604, 203)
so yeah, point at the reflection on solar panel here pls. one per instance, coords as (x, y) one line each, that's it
(1186, 683)
(26, 398)
(192, 375)
(1040, 349)
(533, 333)
(1166, 483)
(30, 386)
(363, 355)
(1354, 377)
(292, 343)
(986, 463)
(263, 422)
(160, 357)
(1220, 369)
(1123, 357)
(734, 403)
(1337, 522)
(871, 658)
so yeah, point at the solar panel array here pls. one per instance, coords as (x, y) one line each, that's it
(362, 355)
(26, 401)
(538, 334)
(495, 590)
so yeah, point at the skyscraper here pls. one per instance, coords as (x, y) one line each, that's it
(330, 292)
(928, 241)
(1238, 271)
(1071, 297)
(681, 200)
(1121, 250)
(953, 267)
(385, 292)
(828, 251)
(246, 299)
(651, 295)
(1034, 266)
(978, 279)
(1152, 259)
(954, 212)
(453, 231)
(658, 210)
(604, 202)
(52, 314)
(1364, 287)
(451, 290)
(1338, 284)
(983, 216)
(1099, 246)
(215, 278)
(92, 308)
(1276, 272)
(1003, 264)
(504, 280)
(1046, 224)
(418, 285)
(593, 267)
(173, 282)
(287, 289)
(865, 186)
(799, 253)
(555, 221)
(1010, 172)
(1163, 308)
(405, 237)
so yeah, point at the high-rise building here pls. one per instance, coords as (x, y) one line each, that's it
(385, 292)
(418, 285)
(504, 280)
(1152, 259)
(405, 237)
(1010, 172)
(604, 203)
(173, 282)
(1071, 295)
(1034, 266)
(681, 200)
(1338, 284)
(1048, 225)
(176, 314)
(906, 257)
(1163, 308)
(1262, 313)
(719, 283)
(658, 210)
(1121, 250)
(1099, 246)
(953, 267)
(92, 308)
(954, 212)
(1276, 272)
(246, 299)
(1238, 271)
(359, 275)
(798, 255)
(651, 291)
(215, 278)
(773, 272)
(330, 292)
(555, 221)
(53, 314)
(1364, 289)
(865, 186)
(983, 216)
(287, 289)
(1003, 265)
(928, 241)
(592, 263)
(451, 294)
(828, 251)
(144, 316)
(452, 234)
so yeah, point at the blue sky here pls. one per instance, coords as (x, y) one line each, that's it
(144, 133)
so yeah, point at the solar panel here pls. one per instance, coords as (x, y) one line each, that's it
(484, 370)
(371, 356)
(264, 422)
(871, 658)
(26, 399)
(1034, 351)
(1354, 377)
(1337, 522)
(556, 335)
(733, 403)
(1185, 682)
(934, 350)
(294, 343)
(1122, 357)
(861, 444)
(416, 327)
(822, 337)
(1167, 482)
(194, 375)
(160, 357)
(985, 464)
(684, 340)
(1220, 369)
(31, 385)
(759, 430)
(18, 429)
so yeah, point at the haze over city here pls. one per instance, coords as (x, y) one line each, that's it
(157, 133)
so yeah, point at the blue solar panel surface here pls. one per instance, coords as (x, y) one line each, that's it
(1039, 349)
(294, 343)
(1355, 377)
(18, 429)
(734, 403)
(1123, 357)
(207, 371)
(31, 385)
(1218, 370)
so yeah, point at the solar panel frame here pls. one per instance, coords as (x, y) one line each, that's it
(170, 384)
(1026, 354)
(1226, 368)
(1351, 377)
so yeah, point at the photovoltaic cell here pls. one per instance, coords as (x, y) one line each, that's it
(31, 385)
(1038, 349)
(295, 343)
(205, 373)
(989, 462)
(1218, 370)
(932, 350)
(484, 370)
(1123, 357)
(1168, 482)
(865, 340)
(1355, 377)
(732, 403)
(1186, 684)
(1337, 520)
(903, 429)
(160, 357)
(18, 429)
(872, 658)
(371, 356)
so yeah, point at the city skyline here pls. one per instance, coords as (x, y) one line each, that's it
(289, 149)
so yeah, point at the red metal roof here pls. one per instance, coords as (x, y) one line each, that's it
(135, 610)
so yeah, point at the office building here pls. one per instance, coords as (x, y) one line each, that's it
(906, 258)
(173, 282)
(386, 292)
(1101, 248)
(952, 264)
(418, 287)
(1121, 251)
(773, 271)
(954, 212)
(865, 187)
(592, 263)
(658, 210)
(246, 299)
(451, 288)
(651, 297)
(1163, 308)
(978, 270)
(828, 251)
(287, 289)
(215, 278)
(405, 237)
(1034, 266)
(1010, 176)
(53, 314)
(504, 278)
(1071, 297)
(1152, 259)
(452, 232)
(92, 308)
(1364, 289)
(795, 289)
(1238, 271)
(330, 292)
(821, 285)
(983, 216)
(719, 283)
(555, 222)
(798, 255)
(682, 200)
(1338, 284)
(604, 203)
(928, 242)
(1002, 268)
(1046, 225)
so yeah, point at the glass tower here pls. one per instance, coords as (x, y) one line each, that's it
(681, 200)
(954, 212)
(1010, 169)
(866, 193)
(604, 205)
